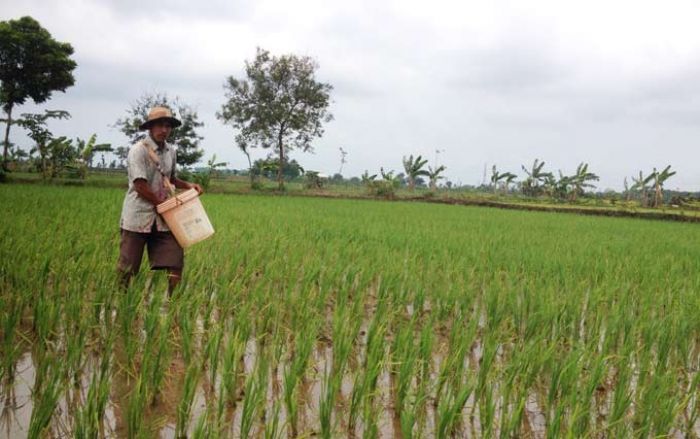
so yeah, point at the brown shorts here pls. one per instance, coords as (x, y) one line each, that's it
(163, 251)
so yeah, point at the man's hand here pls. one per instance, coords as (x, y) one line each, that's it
(182, 184)
(199, 189)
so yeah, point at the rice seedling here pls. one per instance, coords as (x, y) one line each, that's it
(46, 397)
(184, 407)
(446, 320)
(303, 346)
(10, 315)
(365, 383)
(255, 393)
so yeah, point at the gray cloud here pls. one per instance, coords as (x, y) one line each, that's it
(482, 82)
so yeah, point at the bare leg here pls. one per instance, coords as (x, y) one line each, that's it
(125, 277)
(174, 277)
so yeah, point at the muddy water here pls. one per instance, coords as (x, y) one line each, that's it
(160, 417)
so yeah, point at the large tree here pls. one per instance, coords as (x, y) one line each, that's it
(32, 65)
(184, 137)
(279, 104)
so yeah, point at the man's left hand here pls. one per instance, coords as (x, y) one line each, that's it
(197, 187)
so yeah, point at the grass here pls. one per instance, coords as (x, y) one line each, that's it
(306, 316)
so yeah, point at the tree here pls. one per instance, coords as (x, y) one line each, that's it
(557, 188)
(535, 176)
(367, 178)
(184, 137)
(270, 168)
(641, 184)
(204, 178)
(505, 178)
(313, 180)
(414, 169)
(122, 153)
(32, 65)
(280, 105)
(508, 179)
(434, 175)
(580, 180)
(659, 180)
(85, 153)
(45, 144)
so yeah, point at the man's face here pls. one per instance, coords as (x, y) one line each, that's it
(160, 131)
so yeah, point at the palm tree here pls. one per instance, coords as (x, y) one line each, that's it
(535, 176)
(434, 175)
(659, 180)
(580, 180)
(414, 169)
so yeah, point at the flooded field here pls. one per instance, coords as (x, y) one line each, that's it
(348, 318)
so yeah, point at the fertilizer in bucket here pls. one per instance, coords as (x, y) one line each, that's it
(186, 218)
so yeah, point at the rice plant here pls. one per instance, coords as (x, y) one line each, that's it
(306, 317)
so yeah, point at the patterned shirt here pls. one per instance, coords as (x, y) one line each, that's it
(138, 214)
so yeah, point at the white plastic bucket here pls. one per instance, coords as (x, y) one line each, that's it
(186, 218)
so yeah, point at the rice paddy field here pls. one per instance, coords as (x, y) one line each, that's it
(308, 317)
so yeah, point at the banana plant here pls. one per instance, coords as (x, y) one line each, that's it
(86, 153)
(393, 180)
(641, 184)
(557, 188)
(506, 178)
(204, 178)
(659, 180)
(580, 180)
(535, 176)
(414, 169)
(434, 175)
(367, 178)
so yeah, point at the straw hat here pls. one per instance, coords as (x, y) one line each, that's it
(158, 114)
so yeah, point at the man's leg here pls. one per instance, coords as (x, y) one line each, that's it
(174, 277)
(130, 255)
(164, 253)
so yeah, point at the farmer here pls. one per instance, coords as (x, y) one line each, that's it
(151, 171)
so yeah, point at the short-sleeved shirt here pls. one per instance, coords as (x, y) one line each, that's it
(138, 214)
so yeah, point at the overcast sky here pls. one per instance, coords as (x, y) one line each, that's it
(614, 83)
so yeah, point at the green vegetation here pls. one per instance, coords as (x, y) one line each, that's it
(349, 318)
(278, 105)
(32, 66)
(185, 137)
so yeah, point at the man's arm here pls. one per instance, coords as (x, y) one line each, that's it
(144, 190)
(182, 184)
